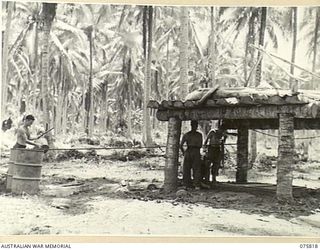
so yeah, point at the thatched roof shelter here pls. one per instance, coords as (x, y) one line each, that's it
(243, 108)
(258, 107)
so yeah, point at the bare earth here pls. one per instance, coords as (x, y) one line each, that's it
(105, 197)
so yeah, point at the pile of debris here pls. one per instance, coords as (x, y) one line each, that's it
(76, 154)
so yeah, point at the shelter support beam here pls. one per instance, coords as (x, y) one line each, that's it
(172, 155)
(240, 112)
(285, 156)
(242, 155)
(299, 123)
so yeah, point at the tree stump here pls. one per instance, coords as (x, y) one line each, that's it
(285, 156)
(172, 153)
(242, 155)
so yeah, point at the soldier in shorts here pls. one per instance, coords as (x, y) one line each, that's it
(214, 154)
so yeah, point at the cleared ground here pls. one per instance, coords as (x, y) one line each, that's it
(110, 197)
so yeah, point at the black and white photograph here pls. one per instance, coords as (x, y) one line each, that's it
(160, 120)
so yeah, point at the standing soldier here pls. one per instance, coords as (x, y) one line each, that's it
(216, 138)
(192, 157)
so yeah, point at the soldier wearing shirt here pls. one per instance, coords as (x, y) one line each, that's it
(215, 139)
(192, 157)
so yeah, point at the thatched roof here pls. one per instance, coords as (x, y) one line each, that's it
(241, 96)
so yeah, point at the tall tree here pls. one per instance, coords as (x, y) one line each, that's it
(129, 80)
(5, 56)
(315, 45)
(294, 16)
(184, 46)
(48, 14)
(90, 108)
(148, 15)
(249, 51)
(213, 46)
(263, 22)
(104, 107)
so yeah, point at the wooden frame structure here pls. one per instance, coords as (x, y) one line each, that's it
(243, 109)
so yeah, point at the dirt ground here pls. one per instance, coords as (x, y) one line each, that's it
(111, 197)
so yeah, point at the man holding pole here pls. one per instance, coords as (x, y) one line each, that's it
(23, 134)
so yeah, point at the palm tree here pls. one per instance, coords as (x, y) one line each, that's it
(263, 21)
(258, 74)
(89, 127)
(250, 40)
(5, 55)
(72, 40)
(244, 19)
(213, 46)
(148, 14)
(294, 15)
(315, 43)
(311, 35)
(48, 13)
(184, 46)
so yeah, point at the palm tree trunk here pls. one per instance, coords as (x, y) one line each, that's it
(261, 43)
(147, 139)
(315, 46)
(213, 47)
(285, 156)
(104, 108)
(293, 83)
(35, 66)
(5, 56)
(60, 98)
(129, 81)
(172, 153)
(167, 70)
(84, 110)
(89, 128)
(251, 77)
(184, 45)
(253, 135)
(242, 156)
(249, 51)
(64, 119)
(48, 14)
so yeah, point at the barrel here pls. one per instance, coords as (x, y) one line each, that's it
(10, 169)
(27, 171)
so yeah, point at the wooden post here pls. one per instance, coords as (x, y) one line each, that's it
(285, 156)
(242, 155)
(172, 153)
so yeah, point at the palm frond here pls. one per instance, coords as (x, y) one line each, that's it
(24, 59)
(197, 41)
(17, 69)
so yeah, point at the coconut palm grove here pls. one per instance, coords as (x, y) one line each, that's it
(97, 101)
